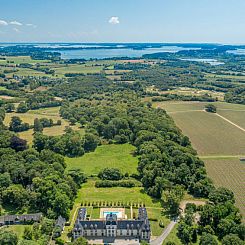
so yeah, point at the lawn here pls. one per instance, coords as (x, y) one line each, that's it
(17, 229)
(112, 156)
(229, 173)
(89, 193)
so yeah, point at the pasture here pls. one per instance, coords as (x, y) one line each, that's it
(50, 113)
(111, 156)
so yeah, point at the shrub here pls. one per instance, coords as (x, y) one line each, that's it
(121, 183)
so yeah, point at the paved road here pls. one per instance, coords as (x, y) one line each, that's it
(159, 240)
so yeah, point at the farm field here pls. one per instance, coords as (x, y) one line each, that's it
(229, 173)
(20, 59)
(77, 69)
(237, 117)
(112, 156)
(209, 134)
(219, 143)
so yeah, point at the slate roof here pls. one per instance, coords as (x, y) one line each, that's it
(142, 222)
(60, 222)
(20, 218)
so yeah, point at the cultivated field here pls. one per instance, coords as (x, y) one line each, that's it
(209, 134)
(229, 173)
(112, 156)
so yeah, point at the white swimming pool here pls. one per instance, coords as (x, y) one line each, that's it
(117, 213)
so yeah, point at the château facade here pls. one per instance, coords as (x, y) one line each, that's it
(112, 227)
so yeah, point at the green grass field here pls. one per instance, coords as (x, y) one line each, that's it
(21, 59)
(112, 156)
(17, 229)
(77, 69)
(89, 193)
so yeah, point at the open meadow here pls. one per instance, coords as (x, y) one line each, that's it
(50, 113)
(111, 156)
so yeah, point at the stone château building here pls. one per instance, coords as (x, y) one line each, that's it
(113, 228)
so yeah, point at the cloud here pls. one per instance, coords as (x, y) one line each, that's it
(114, 20)
(31, 25)
(15, 23)
(3, 23)
(16, 30)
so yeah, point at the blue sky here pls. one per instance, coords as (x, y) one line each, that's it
(217, 21)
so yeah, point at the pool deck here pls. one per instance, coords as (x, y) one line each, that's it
(112, 210)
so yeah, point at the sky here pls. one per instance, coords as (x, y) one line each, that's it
(166, 21)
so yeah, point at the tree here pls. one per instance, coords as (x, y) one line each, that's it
(16, 125)
(208, 239)
(22, 108)
(38, 127)
(5, 180)
(27, 233)
(80, 241)
(18, 144)
(232, 239)
(61, 205)
(47, 226)
(91, 142)
(221, 195)
(8, 237)
(15, 195)
(9, 107)
(210, 108)
(110, 174)
(58, 122)
(172, 199)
